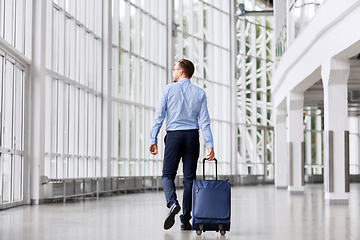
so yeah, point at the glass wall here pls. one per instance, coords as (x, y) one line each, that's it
(354, 143)
(140, 44)
(254, 62)
(313, 138)
(15, 31)
(139, 50)
(16, 24)
(204, 38)
(73, 89)
(12, 122)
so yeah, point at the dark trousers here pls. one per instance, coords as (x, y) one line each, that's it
(180, 144)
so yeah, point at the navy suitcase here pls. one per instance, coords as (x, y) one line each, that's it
(211, 202)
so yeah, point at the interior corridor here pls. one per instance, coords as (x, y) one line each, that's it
(258, 212)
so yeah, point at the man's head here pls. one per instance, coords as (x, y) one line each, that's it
(183, 69)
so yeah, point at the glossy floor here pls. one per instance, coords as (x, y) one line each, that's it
(258, 212)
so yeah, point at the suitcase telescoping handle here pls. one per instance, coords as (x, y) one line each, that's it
(204, 167)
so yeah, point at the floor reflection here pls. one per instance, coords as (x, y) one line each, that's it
(258, 212)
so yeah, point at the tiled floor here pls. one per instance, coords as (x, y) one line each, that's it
(258, 212)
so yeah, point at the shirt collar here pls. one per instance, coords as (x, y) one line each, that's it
(184, 80)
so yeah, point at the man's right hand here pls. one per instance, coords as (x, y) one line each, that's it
(211, 154)
(153, 149)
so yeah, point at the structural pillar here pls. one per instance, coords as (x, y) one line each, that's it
(37, 118)
(295, 138)
(107, 91)
(281, 167)
(233, 95)
(335, 74)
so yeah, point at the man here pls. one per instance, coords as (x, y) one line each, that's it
(186, 108)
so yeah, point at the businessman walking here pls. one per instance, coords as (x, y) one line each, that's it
(186, 108)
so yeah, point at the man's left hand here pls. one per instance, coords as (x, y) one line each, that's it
(211, 154)
(153, 149)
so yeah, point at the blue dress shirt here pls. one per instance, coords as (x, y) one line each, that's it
(186, 108)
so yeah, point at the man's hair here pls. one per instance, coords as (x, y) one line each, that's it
(187, 66)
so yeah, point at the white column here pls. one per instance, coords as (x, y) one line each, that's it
(281, 166)
(335, 74)
(233, 95)
(318, 142)
(37, 131)
(106, 91)
(295, 137)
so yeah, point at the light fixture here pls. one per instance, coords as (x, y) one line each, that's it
(244, 13)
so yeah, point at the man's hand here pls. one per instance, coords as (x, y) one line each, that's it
(153, 149)
(211, 154)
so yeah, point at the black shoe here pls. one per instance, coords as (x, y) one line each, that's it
(170, 219)
(186, 226)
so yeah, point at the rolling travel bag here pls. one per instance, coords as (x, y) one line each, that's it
(211, 202)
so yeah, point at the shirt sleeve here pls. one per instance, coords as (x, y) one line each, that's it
(159, 117)
(204, 121)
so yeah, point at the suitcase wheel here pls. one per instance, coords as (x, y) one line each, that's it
(198, 232)
(222, 232)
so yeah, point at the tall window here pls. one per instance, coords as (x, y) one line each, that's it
(254, 67)
(15, 30)
(16, 24)
(12, 108)
(204, 38)
(73, 89)
(139, 74)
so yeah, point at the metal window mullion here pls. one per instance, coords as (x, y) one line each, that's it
(56, 127)
(201, 29)
(263, 74)
(2, 20)
(137, 131)
(243, 131)
(233, 91)
(137, 31)
(61, 48)
(71, 128)
(253, 96)
(116, 137)
(91, 137)
(77, 130)
(147, 121)
(308, 150)
(13, 24)
(191, 18)
(319, 142)
(60, 123)
(86, 130)
(52, 99)
(67, 122)
(127, 137)
(127, 27)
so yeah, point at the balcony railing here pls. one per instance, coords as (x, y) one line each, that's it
(299, 15)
